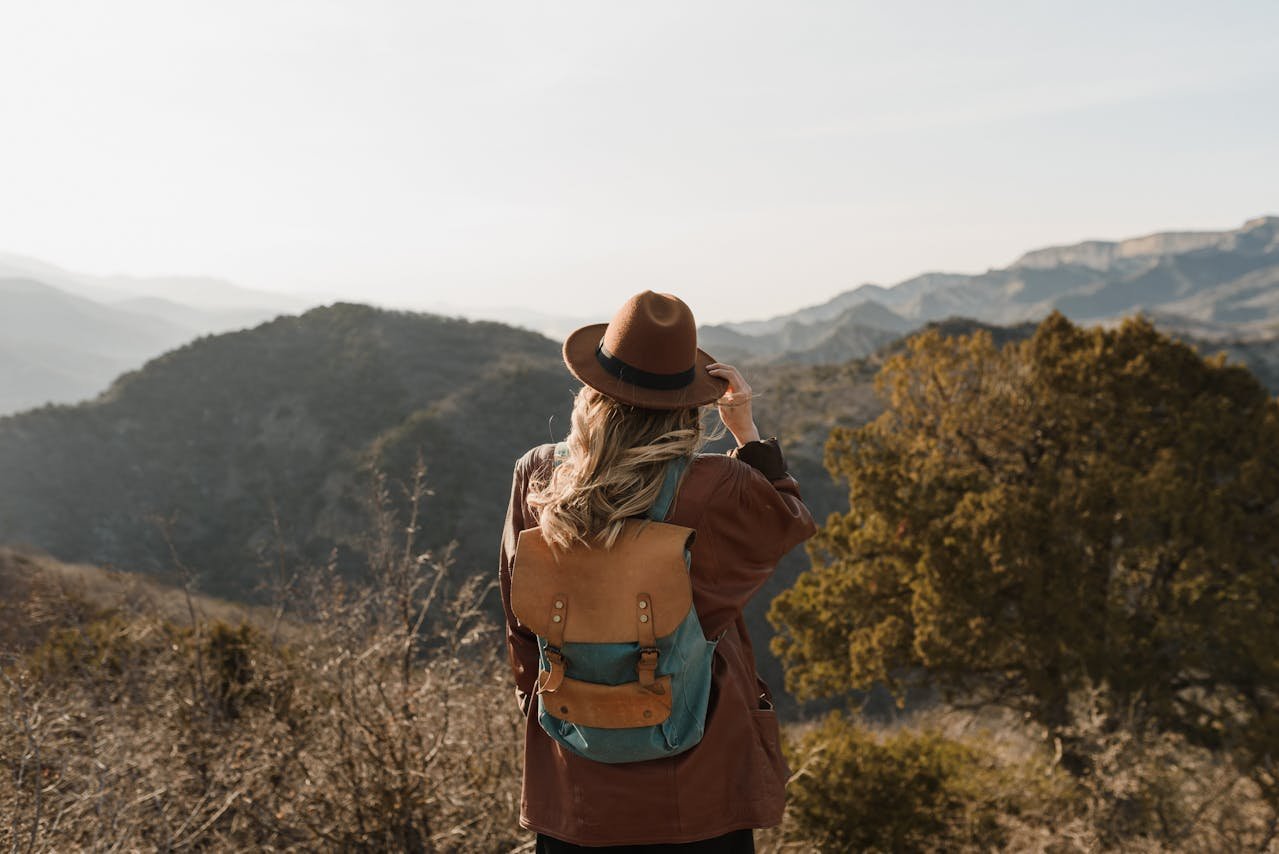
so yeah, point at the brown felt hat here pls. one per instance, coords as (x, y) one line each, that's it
(647, 355)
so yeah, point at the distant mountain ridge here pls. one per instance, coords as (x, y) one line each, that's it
(65, 336)
(56, 346)
(1106, 254)
(1220, 285)
(1213, 286)
(834, 334)
(201, 292)
(859, 306)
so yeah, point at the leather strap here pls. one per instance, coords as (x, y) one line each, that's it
(559, 616)
(646, 666)
(670, 485)
(547, 682)
(610, 706)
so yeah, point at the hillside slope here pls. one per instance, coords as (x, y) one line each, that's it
(285, 419)
(282, 419)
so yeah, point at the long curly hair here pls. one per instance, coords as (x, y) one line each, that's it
(617, 457)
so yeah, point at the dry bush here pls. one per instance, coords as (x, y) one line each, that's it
(1144, 794)
(906, 789)
(369, 716)
(1152, 791)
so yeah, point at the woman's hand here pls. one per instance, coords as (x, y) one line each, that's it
(735, 405)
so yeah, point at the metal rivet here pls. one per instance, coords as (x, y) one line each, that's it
(648, 713)
(563, 710)
(643, 618)
(555, 619)
(643, 604)
(559, 604)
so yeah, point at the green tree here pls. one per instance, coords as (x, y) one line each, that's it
(1085, 510)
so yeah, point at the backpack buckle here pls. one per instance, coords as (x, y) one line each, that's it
(550, 680)
(646, 668)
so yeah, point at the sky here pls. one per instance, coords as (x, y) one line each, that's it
(751, 157)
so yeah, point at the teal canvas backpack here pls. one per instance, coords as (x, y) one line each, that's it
(624, 669)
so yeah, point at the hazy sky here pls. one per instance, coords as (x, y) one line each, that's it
(751, 157)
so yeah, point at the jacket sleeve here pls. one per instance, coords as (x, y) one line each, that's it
(520, 642)
(765, 456)
(755, 517)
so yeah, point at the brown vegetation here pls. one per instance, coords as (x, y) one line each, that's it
(352, 723)
(949, 780)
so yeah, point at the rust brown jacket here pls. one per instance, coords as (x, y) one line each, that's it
(747, 513)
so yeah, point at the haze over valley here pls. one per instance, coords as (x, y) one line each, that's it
(65, 336)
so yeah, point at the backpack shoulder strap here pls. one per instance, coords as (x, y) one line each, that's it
(662, 505)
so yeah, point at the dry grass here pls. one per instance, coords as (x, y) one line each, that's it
(1147, 795)
(139, 718)
(380, 716)
(28, 576)
(143, 719)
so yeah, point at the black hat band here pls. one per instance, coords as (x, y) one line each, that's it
(637, 376)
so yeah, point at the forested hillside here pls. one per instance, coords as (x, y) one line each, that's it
(230, 434)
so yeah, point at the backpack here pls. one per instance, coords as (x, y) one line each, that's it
(624, 669)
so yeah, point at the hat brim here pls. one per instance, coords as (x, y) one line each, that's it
(579, 357)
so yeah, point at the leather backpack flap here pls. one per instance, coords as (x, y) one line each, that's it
(602, 586)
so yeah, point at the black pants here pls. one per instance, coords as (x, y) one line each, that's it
(737, 842)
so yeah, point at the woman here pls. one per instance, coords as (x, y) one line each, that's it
(645, 383)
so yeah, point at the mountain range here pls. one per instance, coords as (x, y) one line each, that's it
(1211, 285)
(206, 294)
(65, 336)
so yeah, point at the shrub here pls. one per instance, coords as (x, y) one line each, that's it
(910, 791)
(953, 780)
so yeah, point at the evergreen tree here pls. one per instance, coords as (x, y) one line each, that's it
(1087, 510)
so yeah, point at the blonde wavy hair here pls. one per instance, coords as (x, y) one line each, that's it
(617, 456)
